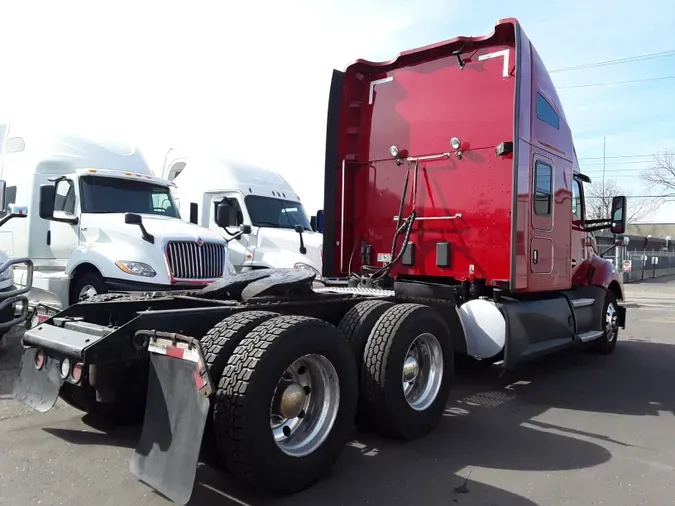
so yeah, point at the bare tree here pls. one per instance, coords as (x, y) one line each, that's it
(661, 174)
(599, 202)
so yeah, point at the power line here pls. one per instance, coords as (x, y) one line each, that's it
(631, 162)
(617, 61)
(616, 156)
(587, 197)
(613, 83)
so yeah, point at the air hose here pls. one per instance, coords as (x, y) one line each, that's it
(405, 228)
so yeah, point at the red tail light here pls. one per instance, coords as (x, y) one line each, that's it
(39, 359)
(76, 373)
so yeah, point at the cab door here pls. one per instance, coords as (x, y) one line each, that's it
(579, 239)
(62, 237)
(541, 244)
(550, 222)
(241, 252)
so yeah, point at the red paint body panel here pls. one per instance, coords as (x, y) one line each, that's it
(483, 203)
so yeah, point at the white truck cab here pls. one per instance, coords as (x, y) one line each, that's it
(280, 234)
(97, 220)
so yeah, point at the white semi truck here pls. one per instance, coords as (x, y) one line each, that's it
(98, 220)
(277, 230)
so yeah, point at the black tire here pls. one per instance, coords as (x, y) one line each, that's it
(217, 346)
(605, 345)
(245, 392)
(382, 393)
(356, 326)
(88, 278)
(219, 342)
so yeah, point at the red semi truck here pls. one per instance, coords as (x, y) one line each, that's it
(454, 224)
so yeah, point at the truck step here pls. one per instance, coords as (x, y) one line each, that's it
(583, 302)
(590, 335)
(357, 290)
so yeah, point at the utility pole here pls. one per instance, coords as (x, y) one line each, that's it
(604, 197)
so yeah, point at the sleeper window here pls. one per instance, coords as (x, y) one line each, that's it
(546, 113)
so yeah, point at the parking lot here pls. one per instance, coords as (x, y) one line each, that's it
(573, 429)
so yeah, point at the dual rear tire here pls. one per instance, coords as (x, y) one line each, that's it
(286, 398)
(288, 387)
(406, 361)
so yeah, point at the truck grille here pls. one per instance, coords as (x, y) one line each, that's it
(190, 260)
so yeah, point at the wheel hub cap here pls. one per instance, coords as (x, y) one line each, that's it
(611, 321)
(292, 400)
(305, 405)
(422, 372)
(410, 369)
(87, 292)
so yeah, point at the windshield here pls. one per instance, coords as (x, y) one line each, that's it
(113, 195)
(277, 213)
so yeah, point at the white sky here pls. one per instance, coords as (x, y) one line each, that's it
(242, 77)
(249, 79)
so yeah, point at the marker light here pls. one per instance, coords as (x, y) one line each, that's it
(65, 368)
(39, 359)
(455, 143)
(393, 151)
(76, 374)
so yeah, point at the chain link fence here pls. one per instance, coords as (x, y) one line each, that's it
(638, 265)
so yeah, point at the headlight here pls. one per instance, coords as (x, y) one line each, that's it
(136, 268)
(7, 273)
(300, 265)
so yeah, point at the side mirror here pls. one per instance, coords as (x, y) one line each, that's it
(618, 217)
(137, 219)
(47, 196)
(225, 215)
(132, 219)
(194, 213)
(319, 221)
(312, 223)
(3, 194)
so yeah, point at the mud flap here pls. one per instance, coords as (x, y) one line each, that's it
(37, 388)
(177, 405)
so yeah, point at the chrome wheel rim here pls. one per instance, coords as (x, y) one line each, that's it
(611, 322)
(422, 371)
(87, 292)
(305, 405)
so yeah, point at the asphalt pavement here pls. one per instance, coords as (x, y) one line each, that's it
(571, 429)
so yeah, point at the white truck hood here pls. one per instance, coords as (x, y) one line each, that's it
(281, 247)
(108, 239)
(163, 228)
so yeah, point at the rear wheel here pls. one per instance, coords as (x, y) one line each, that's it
(356, 326)
(359, 321)
(285, 404)
(217, 346)
(219, 342)
(407, 371)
